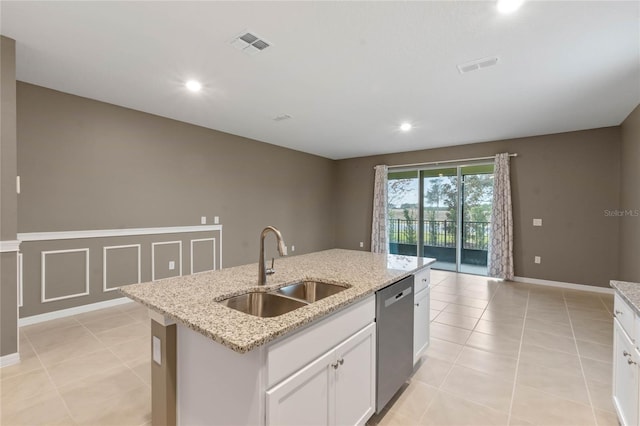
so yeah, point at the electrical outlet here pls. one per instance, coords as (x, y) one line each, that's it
(537, 222)
(537, 259)
(172, 265)
(361, 244)
(293, 248)
(157, 350)
(203, 220)
(216, 220)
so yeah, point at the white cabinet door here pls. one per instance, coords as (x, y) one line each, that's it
(336, 389)
(420, 324)
(625, 377)
(304, 398)
(355, 380)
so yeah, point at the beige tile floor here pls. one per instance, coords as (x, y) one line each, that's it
(89, 369)
(500, 354)
(510, 354)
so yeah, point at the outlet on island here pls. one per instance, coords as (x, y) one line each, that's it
(172, 265)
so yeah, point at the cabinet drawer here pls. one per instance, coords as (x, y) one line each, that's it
(625, 315)
(422, 279)
(293, 352)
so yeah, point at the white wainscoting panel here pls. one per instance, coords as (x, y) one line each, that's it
(105, 265)
(153, 256)
(44, 255)
(213, 258)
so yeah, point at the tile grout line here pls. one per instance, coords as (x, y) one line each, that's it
(453, 364)
(584, 376)
(116, 355)
(46, 370)
(515, 377)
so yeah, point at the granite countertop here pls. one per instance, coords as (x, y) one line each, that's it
(191, 299)
(630, 292)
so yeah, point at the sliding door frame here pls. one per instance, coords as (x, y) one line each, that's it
(459, 200)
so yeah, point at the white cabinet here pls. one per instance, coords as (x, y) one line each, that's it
(421, 300)
(625, 377)
(355, 379)
(421, 323)
(336, 388)
(303, 399)
(626, 384)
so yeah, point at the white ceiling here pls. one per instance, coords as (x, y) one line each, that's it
(347, 72)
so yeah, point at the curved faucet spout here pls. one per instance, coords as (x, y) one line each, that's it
(282, 249)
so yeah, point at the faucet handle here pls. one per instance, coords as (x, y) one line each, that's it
(271, 271)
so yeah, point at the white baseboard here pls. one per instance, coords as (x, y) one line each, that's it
(560, 284)
(10, 359)
(34, 319)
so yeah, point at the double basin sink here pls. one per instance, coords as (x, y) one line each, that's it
(282, 300)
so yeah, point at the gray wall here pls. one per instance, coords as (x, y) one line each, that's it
(630, 198)
(86, 165)
(8, 197)
(566, 179)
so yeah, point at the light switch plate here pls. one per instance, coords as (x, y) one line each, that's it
(537, 259)
(157, 351)
(361, 244)
(203, 220)
(172, 265)
(537, 222)
(216, 220)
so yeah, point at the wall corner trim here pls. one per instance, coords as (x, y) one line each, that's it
(9, 246)
(560, 284)
(10, 359)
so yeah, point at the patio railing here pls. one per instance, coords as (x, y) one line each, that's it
(440, 233)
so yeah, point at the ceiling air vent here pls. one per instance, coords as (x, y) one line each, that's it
(477, 64)
(249, 43)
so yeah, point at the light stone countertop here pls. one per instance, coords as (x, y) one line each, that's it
(630, 292)
(191, 299)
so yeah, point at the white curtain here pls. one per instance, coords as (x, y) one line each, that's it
(501, 243)
(379, 223)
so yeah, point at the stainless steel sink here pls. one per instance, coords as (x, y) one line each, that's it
(262, 304)
(311, 291)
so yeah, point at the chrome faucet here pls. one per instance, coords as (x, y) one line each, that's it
(282, 249)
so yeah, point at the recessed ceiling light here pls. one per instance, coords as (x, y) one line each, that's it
(405, 127)
(193, 85)
(508, 6)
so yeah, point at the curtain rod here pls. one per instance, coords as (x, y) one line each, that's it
(434, 163)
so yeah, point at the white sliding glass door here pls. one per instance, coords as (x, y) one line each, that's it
(443, 213)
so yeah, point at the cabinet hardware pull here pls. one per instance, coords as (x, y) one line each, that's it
(630, 361)
(619, 312)
(417, 304)
(424, 280)
(625, 353)
(338, 363)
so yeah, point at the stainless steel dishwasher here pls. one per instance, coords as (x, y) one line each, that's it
(394, 323)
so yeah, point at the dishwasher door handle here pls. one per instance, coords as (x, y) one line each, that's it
(393, 299)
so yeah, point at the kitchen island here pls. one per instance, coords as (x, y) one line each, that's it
(233, 368)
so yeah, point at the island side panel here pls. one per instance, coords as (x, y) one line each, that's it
(217, 386)
(163, 375)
